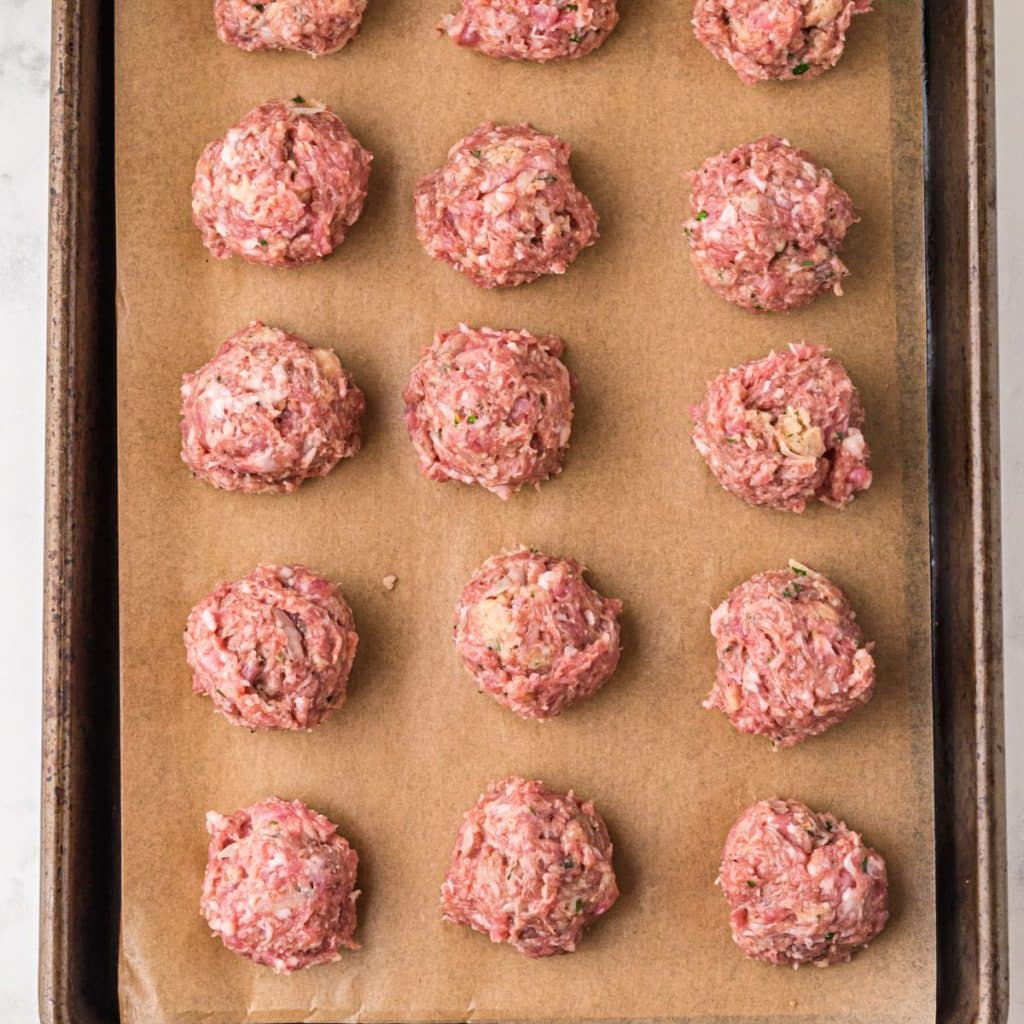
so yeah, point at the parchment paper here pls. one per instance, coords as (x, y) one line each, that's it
(415, 744)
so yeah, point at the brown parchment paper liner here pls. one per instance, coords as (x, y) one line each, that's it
(415, 744)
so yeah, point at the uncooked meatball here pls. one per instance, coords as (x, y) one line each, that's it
(268, 412)
(531, 867)
(801, 887)
(274, 649)
(489, 407)
(504, 210)
(782, 39)
(766, 226)
(536, 30)
(283, 187)
(534, 634)
(315, 27)
(784, 430)
(280, 885)
(792, 661)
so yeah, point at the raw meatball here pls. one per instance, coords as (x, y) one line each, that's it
(283, 187)
(766, 226)
(801, 887)
(784, 430)
(534, 634)
(280, 885)
(531, 867)
(274, 649)
(314, 26)
(791, 657)
(538, 30)
(761, 39)
(268, 412)
(489, 407)
(504, 209)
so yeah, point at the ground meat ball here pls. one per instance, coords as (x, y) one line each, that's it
(280, 885)
(784, 430)
(268, 412)
(537, 30)
(801, 887)
(766, 226)
(761, 39)
(531, 867)
(534, 634)
(791, 657)
(274, 649)
(314, 26)
(282, 188)
(489, 407)
(504, 209)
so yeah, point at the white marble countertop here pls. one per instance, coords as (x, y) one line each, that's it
(24, 60)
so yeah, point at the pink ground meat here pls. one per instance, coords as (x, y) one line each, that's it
(283, 187)
(792, 661)
(274, 649)
(766, 226)
(801, 887)
(784, 430)
(781, 39)
(280, 885)
(534, 634)
(490, 407)
(315, 27)
(531, 867)
(268, 412)
(504, 209)
(537, 30)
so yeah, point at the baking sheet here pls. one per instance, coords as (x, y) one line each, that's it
(416, 744)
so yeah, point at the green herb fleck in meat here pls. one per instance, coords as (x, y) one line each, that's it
(703, 215)
(801, 69)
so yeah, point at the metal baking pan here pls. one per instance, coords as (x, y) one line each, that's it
(80, 839)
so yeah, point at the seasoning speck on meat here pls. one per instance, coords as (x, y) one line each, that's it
(531, 867)
(534, 30)
(801, 887)
(490, 407)
(315, 27)
(268, 412)
(534, 634)
(776, 39)
(504, 209)
(283, 187)
(792, 661)
(274, 649)
(280, 884)
(766, 226)
(784, 430)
